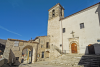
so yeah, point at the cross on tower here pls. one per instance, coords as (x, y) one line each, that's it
(31, 39)
(72, 34)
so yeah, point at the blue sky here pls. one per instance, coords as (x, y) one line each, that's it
(23, 19)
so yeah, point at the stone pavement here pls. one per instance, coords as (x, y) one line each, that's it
(39, 65)
(44, 65)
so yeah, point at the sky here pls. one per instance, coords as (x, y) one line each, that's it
(26, 19)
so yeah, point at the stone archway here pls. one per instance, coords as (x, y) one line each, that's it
(27, 53)
(74, 48)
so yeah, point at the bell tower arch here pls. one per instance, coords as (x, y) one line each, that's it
(55, 11)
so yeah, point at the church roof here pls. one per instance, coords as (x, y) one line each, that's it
(55, 6)
(80, 11)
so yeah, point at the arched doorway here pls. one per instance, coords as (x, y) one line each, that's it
(74, 48)
(27, 54)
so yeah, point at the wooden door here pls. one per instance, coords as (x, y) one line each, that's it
(74, 48)
(91, 49)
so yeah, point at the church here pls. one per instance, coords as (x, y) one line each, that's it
(71, 40)
(74, 33)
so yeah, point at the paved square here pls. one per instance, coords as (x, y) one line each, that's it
(40, 65)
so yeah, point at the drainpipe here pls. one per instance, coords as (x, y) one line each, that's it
(62, 35)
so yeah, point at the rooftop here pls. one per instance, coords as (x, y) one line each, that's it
(55, 6)
(80, 11)
(21, 40)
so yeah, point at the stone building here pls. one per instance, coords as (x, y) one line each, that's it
(43, 52)
(15, 49)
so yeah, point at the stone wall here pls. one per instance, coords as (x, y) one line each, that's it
(1, 61)
(42, 48)
(58, 9)
(54, 25)
(12, 52)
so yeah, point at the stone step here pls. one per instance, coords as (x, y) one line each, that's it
(66, 59)
(93, 61)
(53, 63)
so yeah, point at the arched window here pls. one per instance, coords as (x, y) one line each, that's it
(53, 13)
(42, 55)
(47, 45)
(61, 12)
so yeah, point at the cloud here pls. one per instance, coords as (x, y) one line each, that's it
(9, 31)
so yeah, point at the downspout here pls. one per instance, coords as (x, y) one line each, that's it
(62, 35)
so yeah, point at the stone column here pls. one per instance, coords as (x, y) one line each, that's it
(34, 56)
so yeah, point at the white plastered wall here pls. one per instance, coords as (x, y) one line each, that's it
(88, 35)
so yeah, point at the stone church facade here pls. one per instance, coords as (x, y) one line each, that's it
(73, 33)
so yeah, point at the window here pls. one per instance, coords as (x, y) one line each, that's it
(81, 25)
(41, 46)
(38, 55)
(41, 42)
(42, 55)
(47, 54)
(47, 45)
(61, 12)
(63, 30)
(17, 58)
(53, 13)
(60, 45)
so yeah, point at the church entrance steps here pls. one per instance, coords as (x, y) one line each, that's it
(66, 59)
(90, 60)
(74, 60)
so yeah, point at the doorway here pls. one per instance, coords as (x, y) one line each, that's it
(74, 48)
(27, 53)
(91, 49)
(42, 55)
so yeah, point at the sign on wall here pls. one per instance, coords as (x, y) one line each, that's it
(98, 40)
(16, 43)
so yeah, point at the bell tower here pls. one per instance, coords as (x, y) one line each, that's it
(54, 27)
(55, 11)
